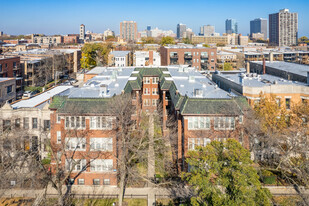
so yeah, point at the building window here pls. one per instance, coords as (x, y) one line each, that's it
(58, 137)
(96, 181)
(221, 123)
(154, 102)
(98, 122)
(46, 125)
(9, 89)
(75, 143)
(146, 80)
(58, 118)
(212, 60)
(147, 91)
(81, 181)
(101, 144)
(34, 123)
(146, 102)
(106, 182)
(195, 123)
(288, 103)
(241, 119)
(26, 122)
(155, 80)
(101, 165)
(72, 122)
(155, 91)
(17, 123)
(6, 125)
(75, 164)
(212, 53)
(194, 142)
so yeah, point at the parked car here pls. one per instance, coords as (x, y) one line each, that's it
(29, 93)
(72, 81)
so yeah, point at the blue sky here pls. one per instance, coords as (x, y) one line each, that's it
(65, 16)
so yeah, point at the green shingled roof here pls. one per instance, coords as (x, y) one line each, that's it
(85, 106)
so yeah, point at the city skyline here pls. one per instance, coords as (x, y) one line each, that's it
(97, 17)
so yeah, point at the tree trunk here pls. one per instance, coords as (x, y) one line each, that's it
(60, 195)
(122, 187)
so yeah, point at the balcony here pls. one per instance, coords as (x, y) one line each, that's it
(188, 62)
(188, 56)
(174, 56)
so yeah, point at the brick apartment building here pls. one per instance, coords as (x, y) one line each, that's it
(203, 112)
(7, 90)
(10, 67)
(71, 39)
(199, 57)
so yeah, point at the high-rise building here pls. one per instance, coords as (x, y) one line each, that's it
(181, 29)
(128, 30)
(231, 26)
(82, 32)
(283, 28)
(207, 30)
(259, 26)
(148, 31)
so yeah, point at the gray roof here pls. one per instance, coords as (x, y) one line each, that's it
(41, 98)
(255, 80)
(188, 80)
(111, 81)
(120, 53)
(298, 69)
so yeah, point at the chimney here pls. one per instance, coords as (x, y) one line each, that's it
(248, 67)
(264, 66)
(271, 57)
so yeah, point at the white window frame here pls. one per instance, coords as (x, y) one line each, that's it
(147, 80)
(146, 91)
(199, 123)
(224, 123)
(79, 122)
(75, 143)
(101, 144)
(101, 122)
(101, 165)
(78, 164)
(155, 91)
(195, 142)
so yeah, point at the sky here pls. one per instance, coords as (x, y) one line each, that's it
(65, 16)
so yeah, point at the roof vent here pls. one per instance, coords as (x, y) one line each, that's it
(198, 93)
(116, 85)
(182, 85)
(103, 90)
(191, 78)
(180, 69)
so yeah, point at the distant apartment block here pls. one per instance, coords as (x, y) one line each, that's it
(7, 90)
(199, 57)
(37, 39)
(231, 26)
(181, 29)
(128, 31)
(283, 28)
(207, 30)
(120, 59)
(146, 58)
(11, 67)
(258, 26)
(71, 39)
(226, 57)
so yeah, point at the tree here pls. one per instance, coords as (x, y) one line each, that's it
(281, 143)
(139, 142)
(222, 174)
(303, 39)
(186, 41)
(167, 40)
(206, 45)
(227, 66)
(94, 54)
(220, 45)
(148, 40)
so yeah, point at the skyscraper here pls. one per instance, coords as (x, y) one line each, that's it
(148, 31)
(128, 30)
(231, 26)
(82, 32)
(283, 28)
(207, 30)
(259, 26)
(181, 29)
